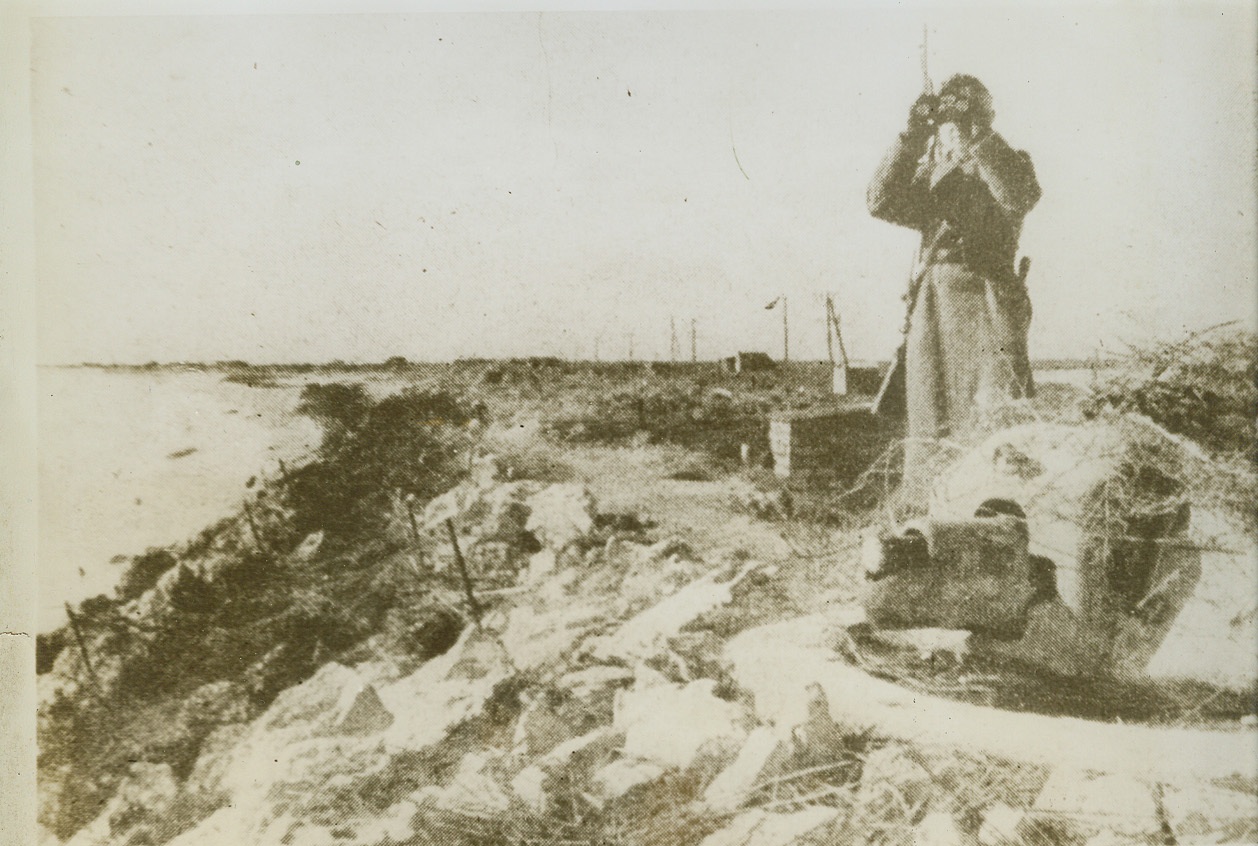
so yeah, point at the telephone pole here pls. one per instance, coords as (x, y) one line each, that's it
(694, 347)
(786, 333)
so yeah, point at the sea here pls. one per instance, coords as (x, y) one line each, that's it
(131, 459)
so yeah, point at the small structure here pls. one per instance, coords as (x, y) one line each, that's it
(834, 443)
(741, 362)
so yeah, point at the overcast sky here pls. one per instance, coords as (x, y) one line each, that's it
(312, 187)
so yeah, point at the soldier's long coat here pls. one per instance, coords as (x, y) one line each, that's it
(969, 311)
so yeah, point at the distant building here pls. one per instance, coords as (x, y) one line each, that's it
(741, 362)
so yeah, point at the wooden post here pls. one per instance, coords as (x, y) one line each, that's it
(253, 530)
(472, 604)
(87, 661)
(786, 334)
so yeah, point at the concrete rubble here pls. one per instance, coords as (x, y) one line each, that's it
(695, 719)
(569, 700)
(762, 828)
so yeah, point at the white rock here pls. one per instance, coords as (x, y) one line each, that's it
(598, 742)
(1088, 803)
(584, 683)
(929, 642)
(560, 514)
(541, 564)
(361, 712)
(529, 786)
(444, 692)
(1198, 809)
(890, 776)
(1001, 826)
(940, 829)
(761, 828)
(314, 700)
(732, 787)
(622, 775)
(670, 723)
(471, 791)
(645, 635)
(393, 826)
(309, 546)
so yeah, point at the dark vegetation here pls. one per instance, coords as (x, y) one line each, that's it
(239, 615)
(1204, 387)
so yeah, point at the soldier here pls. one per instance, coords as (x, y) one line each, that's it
(955, 180)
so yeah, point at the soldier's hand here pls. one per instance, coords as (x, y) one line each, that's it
(924, 115)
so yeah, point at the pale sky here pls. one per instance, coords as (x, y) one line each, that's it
(310, 187)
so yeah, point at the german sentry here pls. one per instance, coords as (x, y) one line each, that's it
(953, 178)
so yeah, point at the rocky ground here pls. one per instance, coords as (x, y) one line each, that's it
(648, 656)
(649, 647)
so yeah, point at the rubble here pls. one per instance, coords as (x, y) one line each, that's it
(940, 829)
(1195, 811)
(645, 635)
(760, 756)
(762, 828)
(624, 774)
(1077, 804)
(471, 791)
(1002, 826)
(775, 663)
(560, 515)
(670, 723)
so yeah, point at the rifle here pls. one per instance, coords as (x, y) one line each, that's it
(891, 399)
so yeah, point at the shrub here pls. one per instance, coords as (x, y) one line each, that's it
(408, 443)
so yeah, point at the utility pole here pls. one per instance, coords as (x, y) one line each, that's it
(694, 347)
(631, 346)
(596, 340)
(786, 333)
(672, 339)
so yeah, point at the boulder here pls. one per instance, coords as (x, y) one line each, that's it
(583, 684)
(445, 691)
(940, 829)
(622, 775)
(893, 786)
(762, 828)
(669, 723)
(472, 791)
(529, 786)
(360, 712)
(1202, 811)
(575, 761)
(536, 638)
(1078, 805)
(309, 547)
(1157, 573)
(393, 826)
(560, 514)
(760, 757)
(1002, 826)
(646, 635)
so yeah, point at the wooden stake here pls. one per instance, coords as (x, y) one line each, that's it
(472, 604)
(87, 661)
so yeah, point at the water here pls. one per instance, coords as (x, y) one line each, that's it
(132, 460)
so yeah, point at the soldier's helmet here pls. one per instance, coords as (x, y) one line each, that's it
(963, 99)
